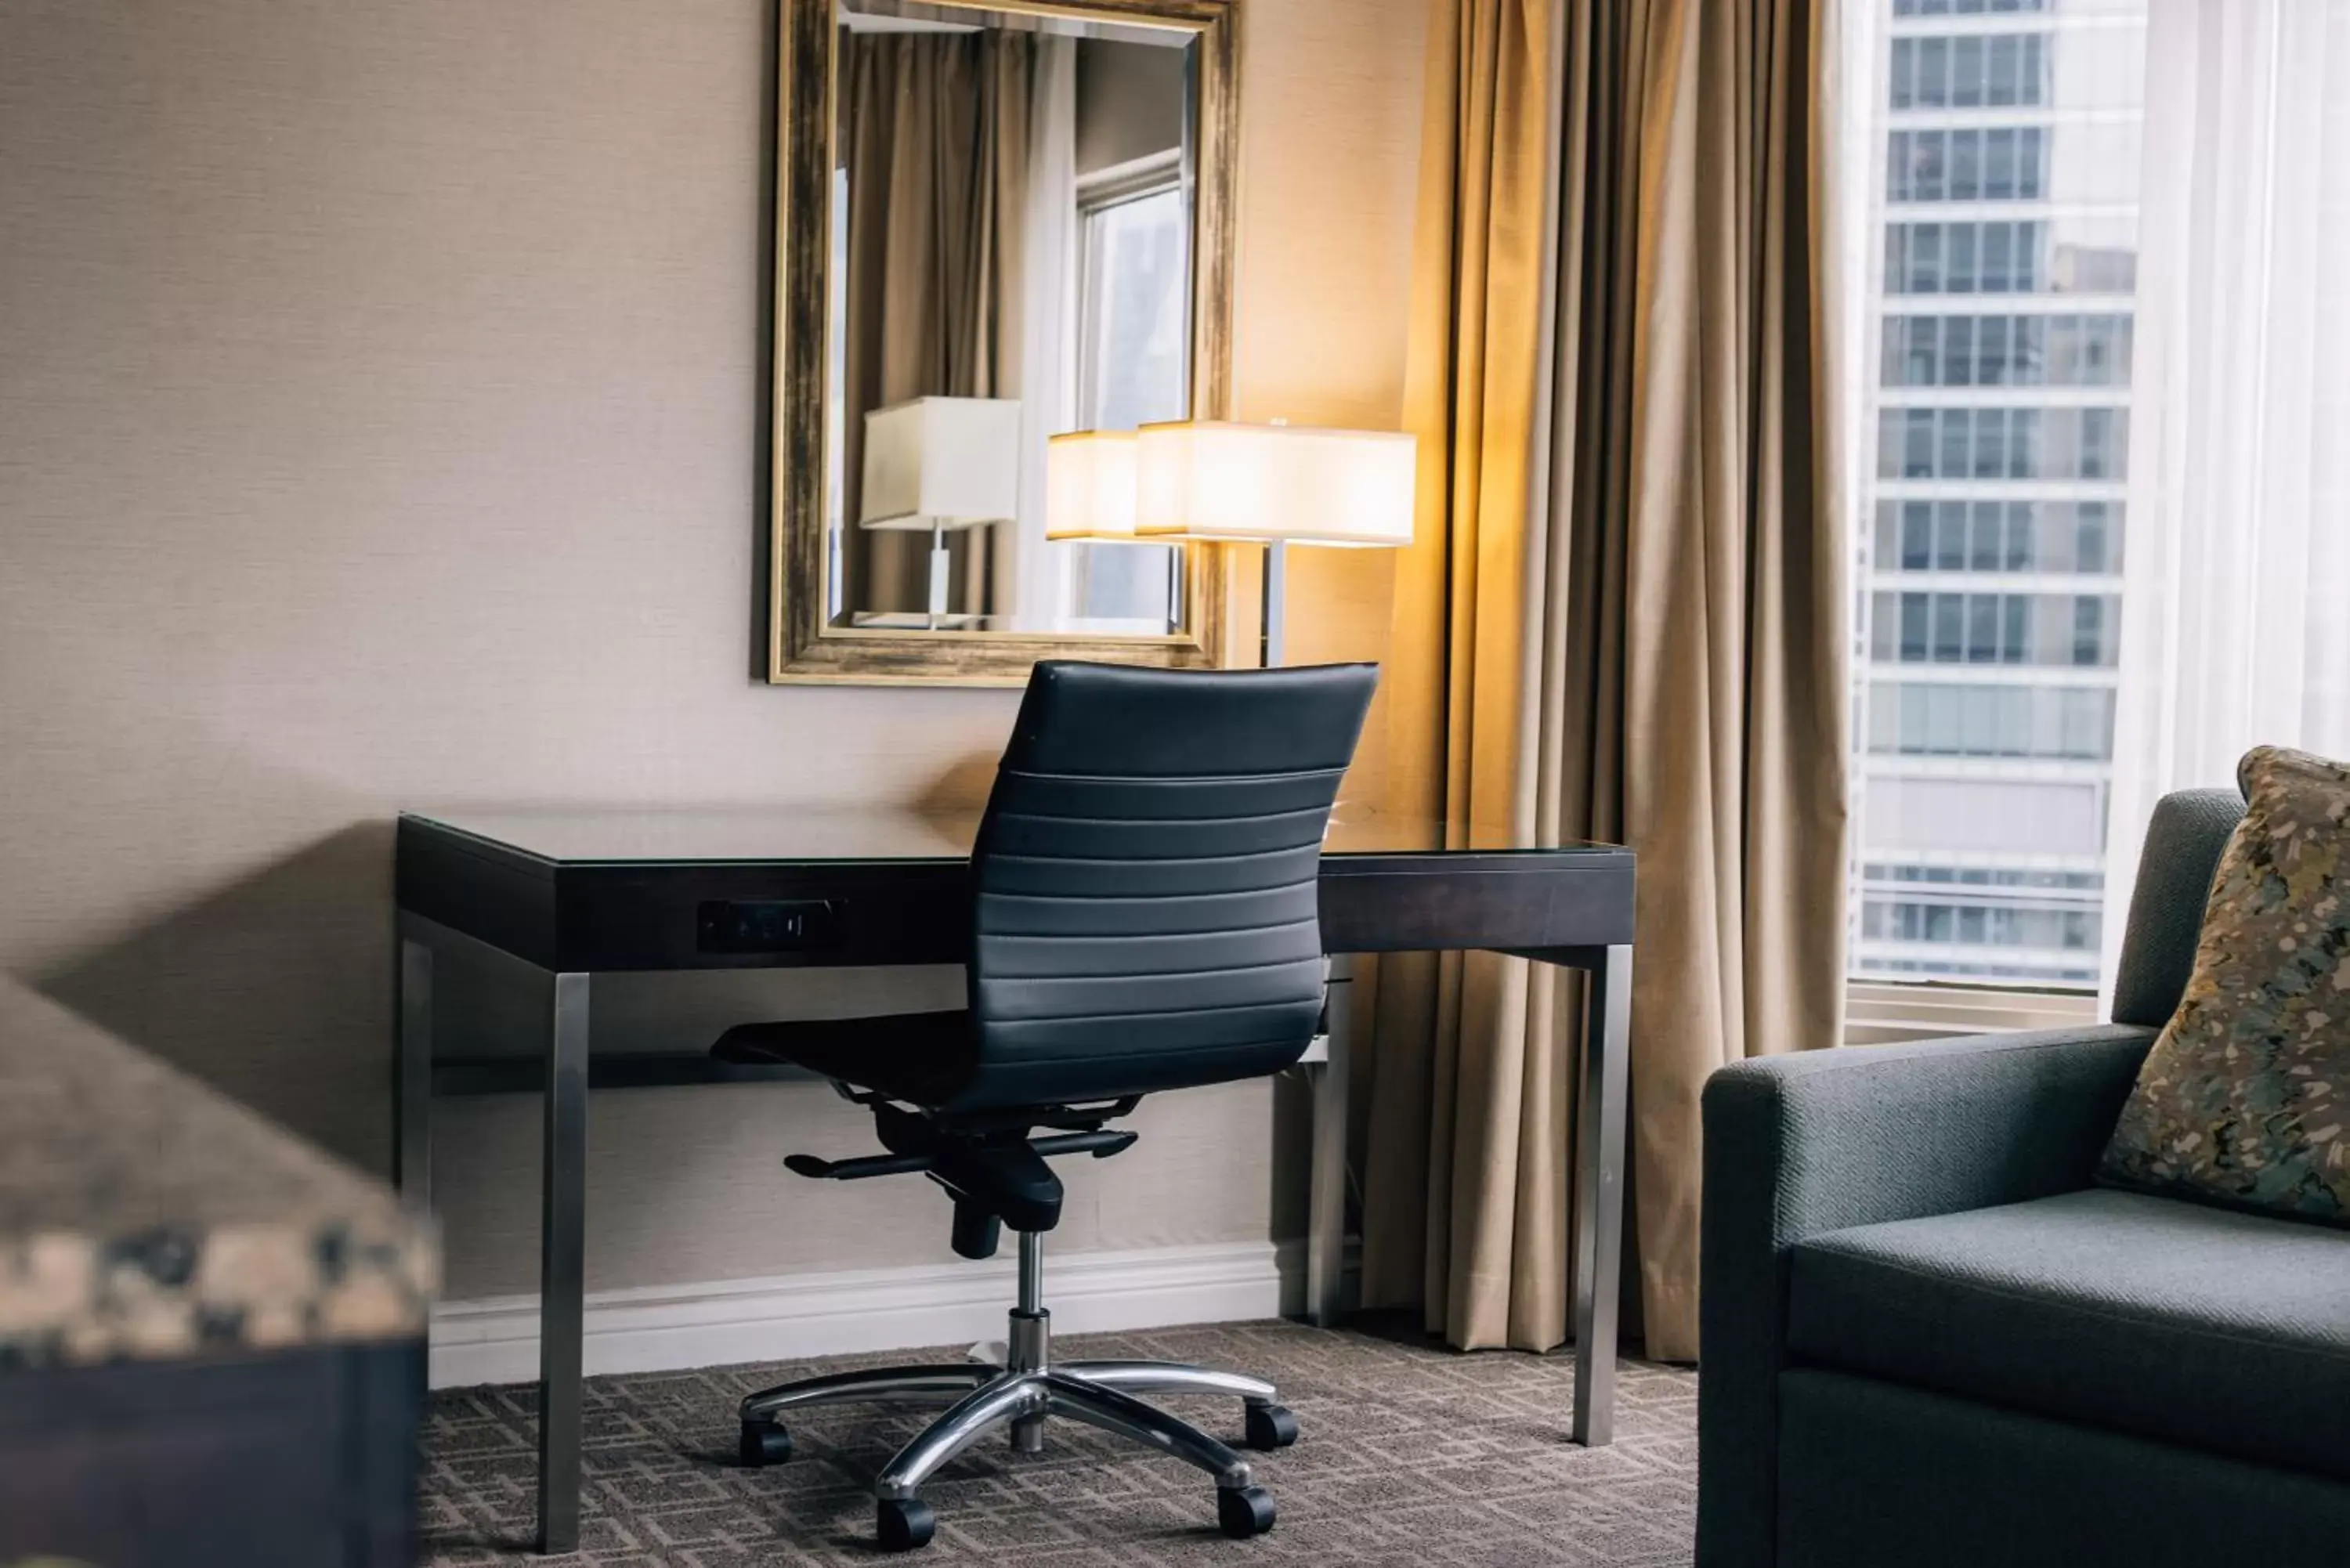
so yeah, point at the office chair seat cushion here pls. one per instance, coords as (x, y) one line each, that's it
(920, 1058)
(931, 1059)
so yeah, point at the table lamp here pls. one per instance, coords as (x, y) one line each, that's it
(938, 465)
(1089, 493)
(1276, 485)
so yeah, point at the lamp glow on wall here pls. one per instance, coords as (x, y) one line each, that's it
(1276, 486)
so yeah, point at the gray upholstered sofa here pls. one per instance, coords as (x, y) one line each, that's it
(1930, 1339)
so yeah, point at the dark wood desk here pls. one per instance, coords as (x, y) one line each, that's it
(573, 894)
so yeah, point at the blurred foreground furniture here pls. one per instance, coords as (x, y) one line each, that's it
(212, 1336)
(1930, 1341)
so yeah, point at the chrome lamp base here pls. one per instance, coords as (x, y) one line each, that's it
(1015, 1385)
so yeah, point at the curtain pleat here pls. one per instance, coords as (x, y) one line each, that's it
(1459, 1102)
(1623, 617)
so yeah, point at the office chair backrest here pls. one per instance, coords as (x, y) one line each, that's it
(1147, 912)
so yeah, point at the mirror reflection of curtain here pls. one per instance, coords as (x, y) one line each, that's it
(1028, 579)
(935, 131)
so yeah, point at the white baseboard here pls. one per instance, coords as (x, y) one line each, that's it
(672, 1327)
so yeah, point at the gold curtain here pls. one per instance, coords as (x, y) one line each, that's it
(1623, 616)
(935, 137)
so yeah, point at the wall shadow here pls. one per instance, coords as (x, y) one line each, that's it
(275, 990)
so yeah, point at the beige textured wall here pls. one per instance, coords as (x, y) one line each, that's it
(378, 416)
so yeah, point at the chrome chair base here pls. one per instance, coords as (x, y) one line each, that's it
(1015, 1386)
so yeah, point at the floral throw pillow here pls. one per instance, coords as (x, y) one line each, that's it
(2245, 1098)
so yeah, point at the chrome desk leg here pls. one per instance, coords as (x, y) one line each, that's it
(1325, 1202)
(561, 1280)
(411, 1133)
(1599, 1190)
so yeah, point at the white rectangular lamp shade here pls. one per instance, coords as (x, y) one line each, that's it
(1089, 485)
(941, 463)
(1280, 483)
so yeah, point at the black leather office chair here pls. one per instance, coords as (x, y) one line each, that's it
(1145, 917)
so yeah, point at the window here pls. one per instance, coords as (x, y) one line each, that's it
(836, 418)
(1987, 537)
(1133, 353)
(1937, 718)
(1955, 627)
(1133, 314)
(1905, 920)
(1977, 876)
(1968, 71)
(2002, 443)
(1966, 7)
(2003, 350)
(2006, 164)
(1958, 919)
(1998, 256)
(1998, 330)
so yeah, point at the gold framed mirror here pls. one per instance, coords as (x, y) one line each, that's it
(996, 221)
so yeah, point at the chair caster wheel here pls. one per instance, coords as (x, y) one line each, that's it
(903, 1525)
(1269, 1427)
(764, 1443)
(1245, 1511)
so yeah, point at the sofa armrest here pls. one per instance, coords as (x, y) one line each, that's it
(1799, 1145)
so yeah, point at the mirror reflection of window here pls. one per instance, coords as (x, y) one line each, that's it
(1133, 342)
(836, 402)
(1135, 280)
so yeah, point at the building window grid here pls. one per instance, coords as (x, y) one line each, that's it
(1988, 537)
(2044, 926)
(1972, 163)
(1970, 8)
(1880, 875)
(1995, 443)
(2028, 967)
(1994, 349)
(1972, 70)
(1980, 924)
(1925, 719)
(1915, 626)
(1987, 255)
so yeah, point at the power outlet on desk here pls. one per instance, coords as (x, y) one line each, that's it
(767, 925)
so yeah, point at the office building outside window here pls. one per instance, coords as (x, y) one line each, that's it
(1991, 521)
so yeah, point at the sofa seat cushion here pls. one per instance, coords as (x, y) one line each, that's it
(2216, 1329)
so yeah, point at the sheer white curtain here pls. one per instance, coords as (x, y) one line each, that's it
(2236, 625)
(1035, 575)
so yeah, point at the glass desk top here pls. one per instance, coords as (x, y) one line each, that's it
(720, 834)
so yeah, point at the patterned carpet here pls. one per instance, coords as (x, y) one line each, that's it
(1411, 1456)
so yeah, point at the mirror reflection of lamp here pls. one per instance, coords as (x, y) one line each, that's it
(1276, 484)
(940, 465)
